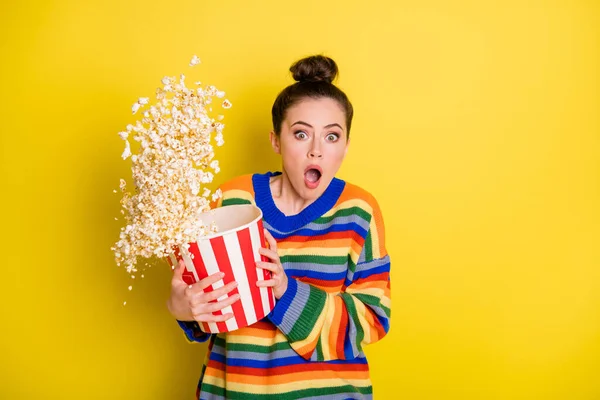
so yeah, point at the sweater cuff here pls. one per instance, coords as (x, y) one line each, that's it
(286, 310)
(299, 305)
(192, 331)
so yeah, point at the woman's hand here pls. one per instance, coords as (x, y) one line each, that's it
(190, 303)
(279, 279)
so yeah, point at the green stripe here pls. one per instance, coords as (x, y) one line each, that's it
(219, 391)
(386, 310)
(320, 350)
(254, 348)
(368, 299)
(351, 308)
(296, 394)
(305, 323)
(368, 247)
(328, 260)
(345, 212)
(235, 200)
(351, 266)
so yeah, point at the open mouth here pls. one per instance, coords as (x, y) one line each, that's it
(312, 176)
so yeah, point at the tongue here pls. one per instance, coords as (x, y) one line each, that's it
(312, 175)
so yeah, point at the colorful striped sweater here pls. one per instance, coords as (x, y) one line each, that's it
(337, 301)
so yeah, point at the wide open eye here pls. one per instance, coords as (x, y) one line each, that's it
(300, 135)
(332, 137)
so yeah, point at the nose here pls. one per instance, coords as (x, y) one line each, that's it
(315, 151)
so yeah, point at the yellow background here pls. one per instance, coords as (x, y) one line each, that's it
(476, 128)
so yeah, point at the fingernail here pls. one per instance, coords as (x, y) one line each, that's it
(221, 274)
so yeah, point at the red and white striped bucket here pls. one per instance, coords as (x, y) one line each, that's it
(234, 251)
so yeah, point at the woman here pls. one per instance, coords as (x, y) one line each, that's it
(330, 269)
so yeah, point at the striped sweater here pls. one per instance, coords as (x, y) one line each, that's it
(337, 301)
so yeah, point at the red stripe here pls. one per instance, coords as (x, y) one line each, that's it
(342, 334)
(202, 273)
(238, 309)
(218, 246)
(187, 277)
(248, 256)
(383, 276)
(320, 282)
(267, 274)
(329, 235)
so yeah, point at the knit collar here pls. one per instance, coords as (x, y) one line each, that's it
(289, 223)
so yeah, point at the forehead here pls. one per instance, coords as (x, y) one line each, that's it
(316, 112)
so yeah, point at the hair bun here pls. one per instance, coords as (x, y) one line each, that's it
(314, 69)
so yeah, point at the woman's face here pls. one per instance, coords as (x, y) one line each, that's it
(312, 144)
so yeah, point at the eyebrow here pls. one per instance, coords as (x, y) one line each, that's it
(310, 126)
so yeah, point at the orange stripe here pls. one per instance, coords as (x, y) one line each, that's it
(335, 324)
(371, 323)
(342, 332)
(254, 331)
(352, 192)
(306, 350)
(321, 283)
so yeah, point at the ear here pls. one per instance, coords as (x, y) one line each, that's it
(275, 142)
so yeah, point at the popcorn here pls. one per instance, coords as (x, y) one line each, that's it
(170, 170)
(195, 61)
(127, 151)
(135, 107)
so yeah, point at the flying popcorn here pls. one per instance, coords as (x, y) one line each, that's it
(172, 164)
(195, 61)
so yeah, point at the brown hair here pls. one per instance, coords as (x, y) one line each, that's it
(314, 76)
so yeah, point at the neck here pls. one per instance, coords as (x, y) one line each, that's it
(286, 198)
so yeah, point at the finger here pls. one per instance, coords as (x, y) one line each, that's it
(196, 289)
(178, 272)
(199, 287)
(268, 266)
(266, 283)
(270, 240)
(207, 297)
(271, 254)
(219, 305)
(213, 318)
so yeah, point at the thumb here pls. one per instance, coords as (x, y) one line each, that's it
(178, 272)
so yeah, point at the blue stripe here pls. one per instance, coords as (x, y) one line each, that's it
(279, 362)
(324, 276)
(348, 350)
(385, 322)
(369, 272)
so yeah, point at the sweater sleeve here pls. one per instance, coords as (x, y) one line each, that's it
(323, 326)
(192, 332)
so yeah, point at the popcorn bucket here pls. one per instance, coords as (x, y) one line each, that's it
(234, 251)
